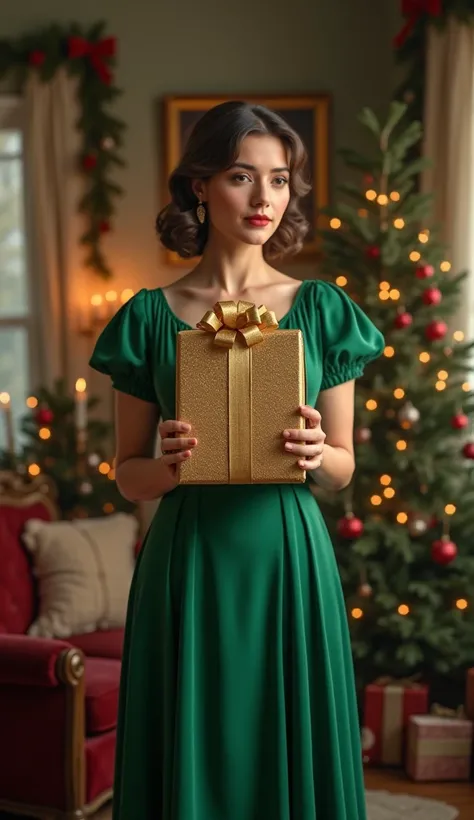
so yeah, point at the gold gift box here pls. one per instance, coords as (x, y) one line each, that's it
(239, 384)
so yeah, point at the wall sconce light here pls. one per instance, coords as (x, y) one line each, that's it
(100, 310)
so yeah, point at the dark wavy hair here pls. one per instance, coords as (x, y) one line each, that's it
(214, 146)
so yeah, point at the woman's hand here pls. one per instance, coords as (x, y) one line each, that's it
(308, 443)
(176, 445)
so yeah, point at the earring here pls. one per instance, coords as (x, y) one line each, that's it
(201, 213)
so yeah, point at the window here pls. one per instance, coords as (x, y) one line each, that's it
(15, 303)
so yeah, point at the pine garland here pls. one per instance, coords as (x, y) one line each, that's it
(90, 57)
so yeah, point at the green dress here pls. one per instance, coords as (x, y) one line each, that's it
(237, 698)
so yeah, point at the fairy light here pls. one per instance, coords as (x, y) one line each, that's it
(111, 474)
(97, 299)
(34, 469)
(389, 352)
(401, 445)
(335, 223)
(44, 433)
(389, 492)
(385, 480)
(443, 374)
(466, 387)
(385, 286)
(399, 393)
(384, 295)
(450, 509)
(458, 336)
(108, 507)
(402, 518)
(32, 402)
(399, 223)
(376, 500)
(395, 196)
(440, 386)
(104, 467)
(371, 195)
(423, 237)
(445, 266)
(341, 281)
(403, 609)
(363, 212)
(424, 357)
(394, 294)
(415, 256)
(126, 295)
(371, 404)
(461, 603)
(357, 613)
(382, 199)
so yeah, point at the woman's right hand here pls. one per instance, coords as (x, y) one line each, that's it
(176, 446)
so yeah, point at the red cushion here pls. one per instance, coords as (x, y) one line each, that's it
(102, 691)
(100, 760)
(17, 591)
(107, 644)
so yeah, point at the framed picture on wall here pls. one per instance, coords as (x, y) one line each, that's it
(308, 115)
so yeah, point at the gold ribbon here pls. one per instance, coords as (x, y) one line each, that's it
(445, 712)
(229, 321)
(403, 683)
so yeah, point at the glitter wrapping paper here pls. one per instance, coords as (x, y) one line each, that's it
(439, 748)
(238, 402)
(387, 709)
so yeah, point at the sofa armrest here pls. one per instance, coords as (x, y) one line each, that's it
(26, 661)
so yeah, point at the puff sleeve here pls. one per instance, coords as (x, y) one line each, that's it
(123, 349)
(349, 339)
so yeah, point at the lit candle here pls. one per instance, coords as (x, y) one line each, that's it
(5, 404)
(97, 308)
(81, 405)
(111, 298)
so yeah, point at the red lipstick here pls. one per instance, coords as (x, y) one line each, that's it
(259, 220)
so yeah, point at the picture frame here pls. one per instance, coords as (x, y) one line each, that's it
(308, 114)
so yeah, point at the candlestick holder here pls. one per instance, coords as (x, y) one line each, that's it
(101, 308)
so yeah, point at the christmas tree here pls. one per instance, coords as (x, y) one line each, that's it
(404, 529)
(59, 439)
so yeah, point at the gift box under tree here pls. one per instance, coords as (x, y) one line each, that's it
(388, 706)
(439, 748)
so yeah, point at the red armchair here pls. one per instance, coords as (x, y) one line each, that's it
(58, 699)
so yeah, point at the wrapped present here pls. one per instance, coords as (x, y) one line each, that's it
(389, 703)
(240, 382)
(439, 748)
(470, 694)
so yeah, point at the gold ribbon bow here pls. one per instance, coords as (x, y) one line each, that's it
(404, 683)
(229, 319)
(444, 711)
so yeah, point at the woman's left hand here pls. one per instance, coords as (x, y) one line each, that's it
(308, 443)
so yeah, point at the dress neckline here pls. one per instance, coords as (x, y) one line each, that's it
(186, 326)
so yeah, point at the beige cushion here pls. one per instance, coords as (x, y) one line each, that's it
(84, 569)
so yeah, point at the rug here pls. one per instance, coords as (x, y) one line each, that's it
(386, 806)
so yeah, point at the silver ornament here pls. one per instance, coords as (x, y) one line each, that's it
(85, 488)
(417, 526)
(93, 460)
(409, 413)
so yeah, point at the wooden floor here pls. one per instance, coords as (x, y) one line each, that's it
(460, 795)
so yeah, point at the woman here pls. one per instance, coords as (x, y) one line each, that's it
(237, 698)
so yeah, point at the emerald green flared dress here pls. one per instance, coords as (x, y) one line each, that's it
(237, 698)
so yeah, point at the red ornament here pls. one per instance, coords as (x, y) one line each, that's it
(373, 252)
(350, 526)
(368, 179)
(424, 271)
(104, 226)
(403, 320)
(89, 162)
(432, 296)
(459, 421)
(362, 435)
(413, 10)
(443, 551)
(37, 58)
(468, 450)
(44, 416)
(436, 330)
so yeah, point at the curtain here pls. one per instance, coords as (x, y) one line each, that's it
(52, 143)
(449, 144)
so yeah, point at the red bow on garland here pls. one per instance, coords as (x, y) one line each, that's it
(98, 53)
(412, 10)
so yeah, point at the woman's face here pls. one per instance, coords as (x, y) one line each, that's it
(246, 202)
